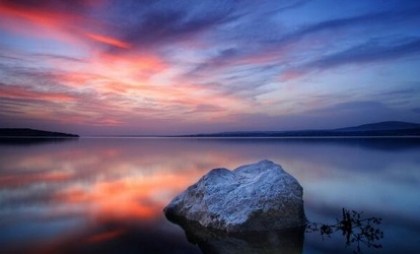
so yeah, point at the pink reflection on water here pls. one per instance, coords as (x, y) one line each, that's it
(91, 184)
(130, 197)
(27, 179)
(104, 236)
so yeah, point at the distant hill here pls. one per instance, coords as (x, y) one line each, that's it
(382, 126)
(26, 133)
(387, 129)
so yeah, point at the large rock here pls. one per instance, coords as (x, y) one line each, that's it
(256, 197)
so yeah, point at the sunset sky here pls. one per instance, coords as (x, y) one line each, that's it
(96, 67)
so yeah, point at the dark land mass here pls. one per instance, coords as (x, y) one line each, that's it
(31, 133)
(381, 129)
(13, 136)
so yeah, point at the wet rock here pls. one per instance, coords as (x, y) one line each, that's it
(256, 197)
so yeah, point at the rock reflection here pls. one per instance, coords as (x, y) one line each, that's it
(358, 232)
(212, 241)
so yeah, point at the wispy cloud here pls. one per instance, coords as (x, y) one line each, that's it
(121, 64)
(370, 52)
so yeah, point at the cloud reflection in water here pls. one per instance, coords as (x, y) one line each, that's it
(106, 194)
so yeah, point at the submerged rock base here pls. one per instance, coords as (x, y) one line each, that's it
(256, 197)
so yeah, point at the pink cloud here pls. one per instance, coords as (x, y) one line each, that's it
(108, 40)
(66, 26)
(18, 92)
(291, 75)
(104, 88)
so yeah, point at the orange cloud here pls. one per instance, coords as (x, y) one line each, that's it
(133, 64)
(29, 21)
(38, 16)
(108, 40)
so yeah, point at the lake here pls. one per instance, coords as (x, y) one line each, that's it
(106, 195)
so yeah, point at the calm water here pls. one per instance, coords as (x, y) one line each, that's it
(107, 195)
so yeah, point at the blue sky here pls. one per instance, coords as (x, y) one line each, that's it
(176, 67)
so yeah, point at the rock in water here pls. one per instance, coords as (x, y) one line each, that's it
(256, 197)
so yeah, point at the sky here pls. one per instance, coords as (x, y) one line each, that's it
(108, 67)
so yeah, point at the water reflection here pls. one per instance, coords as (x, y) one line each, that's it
(117, 237)
(16, 141)
(357, 231)
(93, 192)
(213, 242)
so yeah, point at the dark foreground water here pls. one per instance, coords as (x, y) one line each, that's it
(96, 195)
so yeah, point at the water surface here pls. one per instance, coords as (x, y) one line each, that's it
(107, 194)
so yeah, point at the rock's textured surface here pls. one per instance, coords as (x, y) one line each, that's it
(256, 197)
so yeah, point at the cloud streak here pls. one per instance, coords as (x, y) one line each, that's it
(365, 53)
(370, 52)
